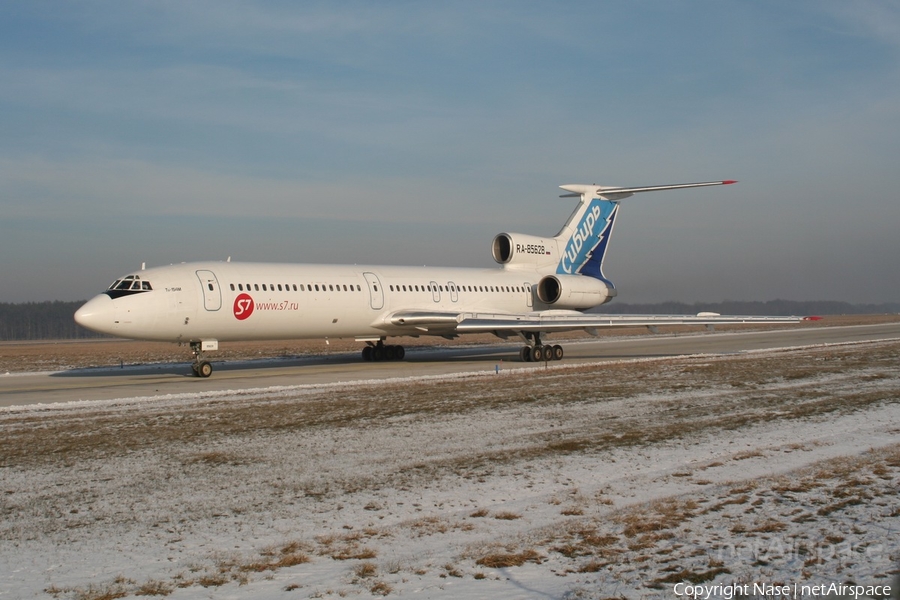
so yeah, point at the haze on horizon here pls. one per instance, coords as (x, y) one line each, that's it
(404, 133)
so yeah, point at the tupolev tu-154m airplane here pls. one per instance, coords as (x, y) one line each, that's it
(543, 286)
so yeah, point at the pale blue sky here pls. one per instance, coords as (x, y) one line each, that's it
(411, 133)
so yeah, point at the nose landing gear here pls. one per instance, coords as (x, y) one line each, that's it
(200, 367)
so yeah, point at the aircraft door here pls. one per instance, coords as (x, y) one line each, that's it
(435, 291)
(212, 294)
(528, 300)
(454, 294)
(376, 293)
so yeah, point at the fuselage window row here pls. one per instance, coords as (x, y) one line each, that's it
(459, 288)
(287, 287)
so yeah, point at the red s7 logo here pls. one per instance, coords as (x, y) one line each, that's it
(243, 307)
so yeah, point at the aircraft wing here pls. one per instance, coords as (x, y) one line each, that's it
(452, 323)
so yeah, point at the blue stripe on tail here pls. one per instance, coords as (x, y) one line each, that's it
(586, 248)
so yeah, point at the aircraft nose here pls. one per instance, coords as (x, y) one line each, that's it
(97, 314)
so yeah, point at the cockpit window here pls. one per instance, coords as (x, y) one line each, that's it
(131, 283)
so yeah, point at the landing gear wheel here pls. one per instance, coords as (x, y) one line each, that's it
(557, 352)
(537, 354)
(204, 369)
(525, 354)
(379, 352)
(200, 367)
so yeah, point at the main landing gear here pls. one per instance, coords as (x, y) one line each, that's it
(379, 352)
(200, 367)
(540, 353)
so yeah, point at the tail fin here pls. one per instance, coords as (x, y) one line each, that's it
(584, 238)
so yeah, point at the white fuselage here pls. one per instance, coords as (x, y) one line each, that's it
(227, 301)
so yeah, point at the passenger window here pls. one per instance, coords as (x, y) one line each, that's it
(232, 286)
(279, 288)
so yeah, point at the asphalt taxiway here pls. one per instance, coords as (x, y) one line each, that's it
(156, 380)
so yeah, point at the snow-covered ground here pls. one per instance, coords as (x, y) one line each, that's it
(605, 480)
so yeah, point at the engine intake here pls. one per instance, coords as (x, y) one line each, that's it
(514, 249)
(576, 292)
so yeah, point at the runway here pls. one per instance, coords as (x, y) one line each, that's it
(156, 380)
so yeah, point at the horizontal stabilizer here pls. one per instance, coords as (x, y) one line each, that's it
(617, 193)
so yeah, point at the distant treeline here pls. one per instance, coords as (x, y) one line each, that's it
(41, 321)
(53, 320)
(739, 307)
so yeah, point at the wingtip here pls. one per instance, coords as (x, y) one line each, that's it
(729, 181)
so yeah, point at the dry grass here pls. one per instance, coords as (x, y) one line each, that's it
(507, 516)
(365, 570)
(154, 588)
(501, 560)
(380, 588)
